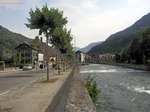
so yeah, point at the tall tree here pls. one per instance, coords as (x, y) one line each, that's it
(136, 53)
(125, 55)
(61, 39)
(117, 57)
(145, 44)
(46, 20)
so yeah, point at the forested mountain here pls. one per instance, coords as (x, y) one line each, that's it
(119, 40)
(8, 42)
(88, 47)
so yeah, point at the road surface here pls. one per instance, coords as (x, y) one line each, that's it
(12, 80)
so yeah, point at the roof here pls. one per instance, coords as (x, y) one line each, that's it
(41, 46)
(28, 44)
(80, 52)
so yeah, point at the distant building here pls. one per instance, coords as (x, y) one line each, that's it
(26, 54)
(87, 58)
(107, 57)
(80, 56)
(41, 46)
(40, 58)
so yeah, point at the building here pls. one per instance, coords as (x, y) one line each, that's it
(80, 56)
(35, 53)
(41, 46)
(107, 57)
(40, 59)
(26, 54)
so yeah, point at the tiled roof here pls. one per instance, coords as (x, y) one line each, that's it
(26, 44)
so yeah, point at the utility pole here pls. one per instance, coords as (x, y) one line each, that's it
(74, 43)
(75, 61)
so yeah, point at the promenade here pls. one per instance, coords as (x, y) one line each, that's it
(65, 92)
(34, 97)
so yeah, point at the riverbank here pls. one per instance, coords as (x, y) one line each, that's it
(79, 99)
(132, 66)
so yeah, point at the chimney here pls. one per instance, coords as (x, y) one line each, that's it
(41, 39)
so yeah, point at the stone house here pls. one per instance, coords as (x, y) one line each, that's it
(35, 53)
(26, 54)
(41, 46)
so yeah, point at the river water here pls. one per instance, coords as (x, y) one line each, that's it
(122, 89)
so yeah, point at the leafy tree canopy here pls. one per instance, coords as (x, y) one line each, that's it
(46, 20)
(136, 52)
(145, 43)
(62, 38)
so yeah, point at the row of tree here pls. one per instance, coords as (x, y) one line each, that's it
(138, 52)
(51, 23)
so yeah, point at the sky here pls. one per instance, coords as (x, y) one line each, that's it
(89, 20)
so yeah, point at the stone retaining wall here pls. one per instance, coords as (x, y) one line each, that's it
(79, 99)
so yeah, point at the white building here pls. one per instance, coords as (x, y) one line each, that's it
(40, 58)
(81, 56)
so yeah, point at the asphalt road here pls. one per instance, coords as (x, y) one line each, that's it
(12, 80)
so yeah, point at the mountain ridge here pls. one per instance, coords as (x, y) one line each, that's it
(88, 47)
(9, 41)
(118, 41)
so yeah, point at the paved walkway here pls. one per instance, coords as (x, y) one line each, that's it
(34, 97)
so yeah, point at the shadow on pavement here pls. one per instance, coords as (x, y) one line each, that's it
(17, 76)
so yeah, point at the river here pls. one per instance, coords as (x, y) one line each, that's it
(122, 89)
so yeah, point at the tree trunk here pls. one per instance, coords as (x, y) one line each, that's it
(47, 57)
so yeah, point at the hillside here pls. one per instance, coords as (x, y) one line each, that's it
(120, 40)
(9, 40)
(88, 47)
(76, 49)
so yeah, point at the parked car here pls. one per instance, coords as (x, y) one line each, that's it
(41, 66)
(27, 67)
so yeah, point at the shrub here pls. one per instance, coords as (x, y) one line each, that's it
(91, 86)
(20, 66)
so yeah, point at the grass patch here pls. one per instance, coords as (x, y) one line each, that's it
(6, 110)
(57, 74)
(51, 80)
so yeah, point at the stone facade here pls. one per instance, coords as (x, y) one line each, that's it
(26, 54)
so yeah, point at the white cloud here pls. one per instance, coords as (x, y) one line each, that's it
(89, 23)
(90, 20)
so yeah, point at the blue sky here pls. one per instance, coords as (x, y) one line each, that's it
(89, 20)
